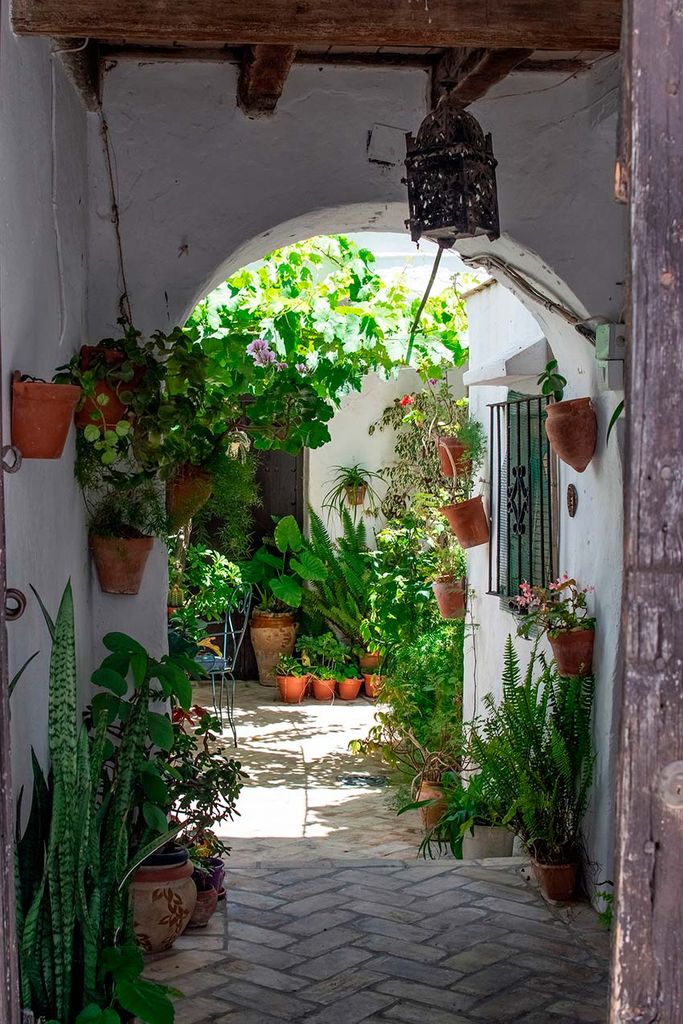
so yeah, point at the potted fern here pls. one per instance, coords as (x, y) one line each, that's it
(123, 525)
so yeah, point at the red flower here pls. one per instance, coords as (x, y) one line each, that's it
(406, 400)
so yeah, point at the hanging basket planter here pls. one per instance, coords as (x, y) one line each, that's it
(102, 414)
(41, 417)
(186, 492)
(355, 494)
(453, 456)
(450, 596)
(468, 521)
(572, 429)
(573, 651)
(120, 562)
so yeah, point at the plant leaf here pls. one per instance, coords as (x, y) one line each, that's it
(288, 590)
(110, 680)
(288, 535)
(160, 730)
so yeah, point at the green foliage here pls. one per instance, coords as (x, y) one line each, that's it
(212, 583)
(559, 608)
(280, 567)
(348, 483)
(614, 418)
(129, 511)
(476, 802)
(225, 522)
(551, 382)
(536, 748)
(324, 656)
(289, 666)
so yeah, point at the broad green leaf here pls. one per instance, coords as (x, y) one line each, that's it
(288, 590)
(146, 1001)
(153, 785)
(138, 665)
(155, 817)
(108, 704)
(121, 642)
(288, 535)
(309, 566)
(160, 730)
(122, 428)
(91, 432)
(110, 680)
(94, 1014)
(119, 662)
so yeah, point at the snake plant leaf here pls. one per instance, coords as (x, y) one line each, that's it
(17, 676)
(288, 535)
(108, 679)
(46, 615)
(122, 643)
(160, 730)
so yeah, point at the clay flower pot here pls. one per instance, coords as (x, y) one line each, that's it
(186, 492)
(323, 689)
(369, 662)
(432, 812)
(450, 597)
(557, 881)
(204, 908)
(349, 688)
(453, 456)
(487, 841)
(163, 896)
(272, 634)
(120, 562)
(114, 409)
(572, 430)
(468, 521)
(372, 685)
(41, 417)
(355, 495)
(573, 651)
(292, 688)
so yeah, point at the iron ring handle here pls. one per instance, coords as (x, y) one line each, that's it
(15, 604)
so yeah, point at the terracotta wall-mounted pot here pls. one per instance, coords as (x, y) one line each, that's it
(349, 688)
(573, 652)
(41, 417)
(272, 634)
(572, 430)
(355, 496)
(432, 812)
(186, 492)
(120, 562)
(292, 688)
(163, 896)
(453, 458)
(468, 521)
(450, 596)
(557, 881)
(323, 689)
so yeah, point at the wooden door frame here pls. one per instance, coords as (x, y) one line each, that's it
(646, 975)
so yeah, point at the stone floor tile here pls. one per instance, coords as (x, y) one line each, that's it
(388, 913)
(197, 1010)
(323, 921)
(266, 1000)
(340, 986)
(395, 930)
(267, 977)
(168, 968)
(579, 1014)
(414, 991)
(352, 1010)
(239, 1015)
(387, 898)
(254, 933)
(572, 972)
(330, 964)
(413, 1013)
(400, 967)
(325, 941)
(260, 900)
(493, 979)
(523, 942)
(312, 904)
(476, 957)
(509, 1004)
(532, 912)
(421, 952)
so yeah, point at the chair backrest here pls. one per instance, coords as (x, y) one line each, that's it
(229, 632)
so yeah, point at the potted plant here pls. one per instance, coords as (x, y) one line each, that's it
(460, 445)
(292, 679)
(466, 515)
(324, 656)
(348, 682)
(561, 611)
(123, 525)
(277, 572)
(449, 580)
(207, 897)
(41, 416)
(372, 684)
(472, 823)
(571, 426)
(352, 485)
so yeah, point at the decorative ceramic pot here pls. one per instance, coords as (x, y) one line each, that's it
(450, 597)
(216, 867)
(372, 685)
(355, 495)
(41, 417)
(453, 456)
(120, 562)
(369, 662)
(468, 521)
(272, 635)
(573, 652)
(323, 689)
(186, 492)
(349, 688)
(487, 841)
(292, 688)
(163, 896)
(432, 812)
(572, 430)
(204, 908)
(557, 881)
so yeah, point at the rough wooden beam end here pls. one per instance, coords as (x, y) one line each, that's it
(470, 73)
(263, 74)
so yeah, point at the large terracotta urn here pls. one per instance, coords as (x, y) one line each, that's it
(163, 896)
(572, 430)
(272, 635)
(431, 813)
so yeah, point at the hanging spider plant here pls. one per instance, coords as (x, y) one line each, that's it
(352, 487)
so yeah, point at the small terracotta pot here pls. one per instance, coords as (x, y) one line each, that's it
(450, 597)
(432, 813)
(204, 908)
(349, 688)
(453, 456)
(355, 496)
(186, 492)
(92, 412)
(369, 662)
(468, 521)
(573, 652)
(120, 562)
(323, 689)
(292, 688)
(41, 417)
(557, 881)
(572, 430)
(272, 635)
(372, 685)
(163, 898)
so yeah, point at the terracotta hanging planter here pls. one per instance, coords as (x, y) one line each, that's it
(41, 417)
(120, 562)
(355, 495)
(272, 635)
(292, 688)
(432, 812)
(450, 596)
(572, 429)
(573, 651)
(369, 662)
(349, 688)
(114, 409)
(453, 456)
(372, 685)
(468, 521)
(163, 896)
(204, 908)
(557, 881)
(186, 492)
(323, 689)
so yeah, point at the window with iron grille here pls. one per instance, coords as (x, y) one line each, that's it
(521, 468)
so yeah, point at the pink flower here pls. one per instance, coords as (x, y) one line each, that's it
(406, 400)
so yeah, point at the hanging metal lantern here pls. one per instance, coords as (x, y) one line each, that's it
(451, 177)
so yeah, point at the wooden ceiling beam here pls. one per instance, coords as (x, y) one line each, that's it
(470, 73)
(549, 25)
(263, 73)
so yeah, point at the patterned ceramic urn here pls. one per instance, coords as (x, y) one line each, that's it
(164, 897)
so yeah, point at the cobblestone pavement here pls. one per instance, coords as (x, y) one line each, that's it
(325, 924)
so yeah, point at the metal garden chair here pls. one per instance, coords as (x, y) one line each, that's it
(227, 635)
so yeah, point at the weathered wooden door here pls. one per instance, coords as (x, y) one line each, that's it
(647, 981)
